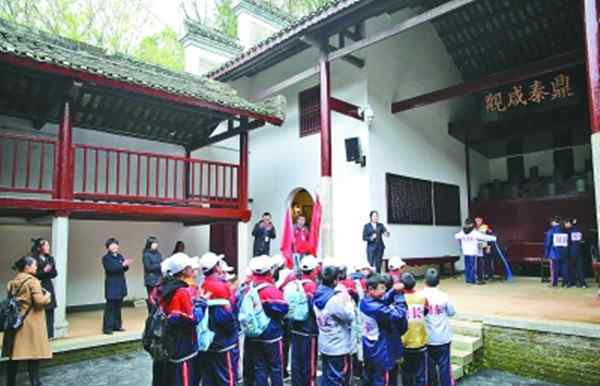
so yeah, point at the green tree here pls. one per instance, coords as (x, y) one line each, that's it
(226, 21)
(115, 25)
(162, 48)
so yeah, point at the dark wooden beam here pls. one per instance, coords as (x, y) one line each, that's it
(345, 108)
(230, 133)
(353, 60)
(325, 88)
(541, 67)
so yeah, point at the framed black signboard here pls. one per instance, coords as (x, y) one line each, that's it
(408, 200)
(446, 199)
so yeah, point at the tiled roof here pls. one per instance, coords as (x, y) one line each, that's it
(295, 29)
(273, 10)
(24, 42)
(197, 28)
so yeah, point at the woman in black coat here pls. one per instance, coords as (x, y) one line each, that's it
(46, 271)
(151, 258)
(115, 286)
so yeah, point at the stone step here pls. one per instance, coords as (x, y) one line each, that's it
(467, 343)
(457, 371)
(461, 357)
(465, 327)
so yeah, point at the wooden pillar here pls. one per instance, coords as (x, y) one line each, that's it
(186, 173)
(591, 15)
(326, 186)
(325, 116)
(243, 171)
(64, 157)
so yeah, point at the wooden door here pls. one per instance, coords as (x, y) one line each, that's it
(224, 240)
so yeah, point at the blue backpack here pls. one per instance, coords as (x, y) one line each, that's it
(297, 301)
(253, 319)
(203, 332)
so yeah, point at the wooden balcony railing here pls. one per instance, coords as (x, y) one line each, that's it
(26, 163)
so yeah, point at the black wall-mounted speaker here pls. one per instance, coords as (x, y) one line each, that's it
(353, 151)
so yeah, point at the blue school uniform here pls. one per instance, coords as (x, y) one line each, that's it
(384, 322)
(556, 249)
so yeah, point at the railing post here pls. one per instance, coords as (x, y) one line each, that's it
(64, 155)
(243, 171)
(186, 173)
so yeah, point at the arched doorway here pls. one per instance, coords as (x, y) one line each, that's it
(301, 203)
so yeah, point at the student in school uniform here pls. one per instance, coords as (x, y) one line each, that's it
(470, 240)
(267, 348)
(219, 363)
(115, 286)
(556, 249)
(384, 321)
(439, 332)
(396, 267)
(184, 306)
(414, 367)
(576, 263)
(335, 314)
(304, 333)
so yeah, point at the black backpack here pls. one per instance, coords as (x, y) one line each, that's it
(154, 338)
(10, 317)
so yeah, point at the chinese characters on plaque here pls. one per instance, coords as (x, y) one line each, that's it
(533, 92)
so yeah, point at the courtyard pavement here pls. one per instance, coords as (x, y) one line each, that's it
(134, 369)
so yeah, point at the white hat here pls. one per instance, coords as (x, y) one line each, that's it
(395, 263)
(308, 263)
(209, 260)
(261, 264)
(278, 261)
(364, 265)
(178, 262)
(226, 267)
(331, 262)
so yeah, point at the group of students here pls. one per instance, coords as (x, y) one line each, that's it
(363, 324)
(563, 248)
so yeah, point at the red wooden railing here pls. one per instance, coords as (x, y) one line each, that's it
(27, 163)
(109, 174)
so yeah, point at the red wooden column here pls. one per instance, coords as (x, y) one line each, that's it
(243, 170)
(325, 117)
(592, 40)
(64, 165)
(326, 185)
(591, 15)
(187, 168)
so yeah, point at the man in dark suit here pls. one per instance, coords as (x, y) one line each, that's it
(263, 233)
(373, 233)
(115, 286)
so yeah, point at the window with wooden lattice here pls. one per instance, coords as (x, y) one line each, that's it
(309, 109)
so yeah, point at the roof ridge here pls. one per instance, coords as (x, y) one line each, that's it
(40, 46)
(197, 27)
(300, 23)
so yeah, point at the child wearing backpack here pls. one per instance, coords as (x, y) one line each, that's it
(261, 316)
(439, 332)
(384, 321)
(335, 314)
(300, 295)
(218, 335)
(414, 367)
(183, 306)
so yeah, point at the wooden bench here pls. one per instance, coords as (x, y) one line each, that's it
(440, 261)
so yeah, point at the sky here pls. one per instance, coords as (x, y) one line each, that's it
(166, 12)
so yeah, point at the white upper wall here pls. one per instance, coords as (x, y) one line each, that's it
(414, 143)
(253, 24)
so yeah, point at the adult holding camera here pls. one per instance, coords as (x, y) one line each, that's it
(373, 233)
(27, 343)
